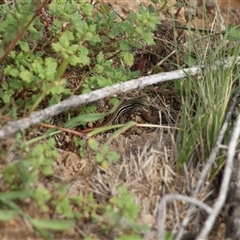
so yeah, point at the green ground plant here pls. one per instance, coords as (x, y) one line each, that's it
(38, 66)
(35, 54)
(205, 99)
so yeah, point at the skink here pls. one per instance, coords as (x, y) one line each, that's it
(124, 107)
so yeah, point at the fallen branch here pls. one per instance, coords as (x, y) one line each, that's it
(171, 197)
(225, 183)
(39, 116)
(210, 161)
(232, 218)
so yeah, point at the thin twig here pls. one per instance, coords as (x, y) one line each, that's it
(148, 125)
(169, 197)
(76, 133)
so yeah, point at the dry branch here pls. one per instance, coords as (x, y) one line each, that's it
(39, 116)
(170, 197)
(225, 182)
(210, 161)
(232, 218)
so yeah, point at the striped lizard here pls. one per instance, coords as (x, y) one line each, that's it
(124, 107)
